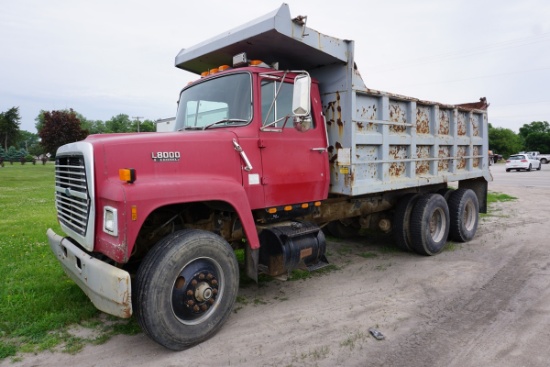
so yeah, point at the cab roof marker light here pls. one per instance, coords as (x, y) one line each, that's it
(240, 60)
(259, 63)
(224, 67)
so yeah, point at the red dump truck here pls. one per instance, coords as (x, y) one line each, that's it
(277, 141)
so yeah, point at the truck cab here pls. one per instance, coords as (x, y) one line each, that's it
(282, 145)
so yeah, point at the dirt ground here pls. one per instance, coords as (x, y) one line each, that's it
(484, 303)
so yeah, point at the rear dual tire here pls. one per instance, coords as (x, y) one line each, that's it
(464, 215)
(401, 221)
(423, 223)
(429, 224)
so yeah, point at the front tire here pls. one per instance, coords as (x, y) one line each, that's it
(185, 288)
(464, 215)
(429, 224)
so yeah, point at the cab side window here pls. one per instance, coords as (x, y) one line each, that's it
(279, 109)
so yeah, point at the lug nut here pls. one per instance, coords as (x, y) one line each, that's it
(190, 292)
(194, 282)
(196, 308)
(201, 276)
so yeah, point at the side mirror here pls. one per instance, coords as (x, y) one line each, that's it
(300, 95)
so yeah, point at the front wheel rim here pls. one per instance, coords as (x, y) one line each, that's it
(197, 291)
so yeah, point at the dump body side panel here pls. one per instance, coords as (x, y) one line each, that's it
(381, 142)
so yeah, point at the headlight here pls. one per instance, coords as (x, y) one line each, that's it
(110, 221)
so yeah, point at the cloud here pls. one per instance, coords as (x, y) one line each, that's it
(103, 58)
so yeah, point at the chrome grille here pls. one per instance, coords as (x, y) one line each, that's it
(72, 199)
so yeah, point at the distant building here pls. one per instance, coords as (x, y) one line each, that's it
(165, 125)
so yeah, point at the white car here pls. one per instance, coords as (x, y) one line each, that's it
(522, 161)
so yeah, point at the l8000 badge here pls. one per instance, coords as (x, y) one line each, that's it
(165, 156)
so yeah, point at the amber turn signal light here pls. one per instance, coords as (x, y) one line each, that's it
(127, 175)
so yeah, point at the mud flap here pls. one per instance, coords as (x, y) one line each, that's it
(252, 260)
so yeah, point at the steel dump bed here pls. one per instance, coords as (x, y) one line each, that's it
(378, 141)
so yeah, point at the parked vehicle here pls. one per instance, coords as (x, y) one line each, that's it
(265, 153)
(522, 162)
(543, 158)
(494, 157)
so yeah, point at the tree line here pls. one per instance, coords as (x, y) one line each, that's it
(534, 136)
(56, 128)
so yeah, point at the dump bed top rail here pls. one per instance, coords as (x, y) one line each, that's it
(274, 37)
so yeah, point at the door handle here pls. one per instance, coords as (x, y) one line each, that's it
(320, 150)
(248, 166)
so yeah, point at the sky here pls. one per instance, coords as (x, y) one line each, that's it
(108, 57)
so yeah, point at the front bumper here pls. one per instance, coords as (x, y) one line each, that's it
(108, 287)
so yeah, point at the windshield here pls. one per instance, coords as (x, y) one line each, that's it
(224, 101)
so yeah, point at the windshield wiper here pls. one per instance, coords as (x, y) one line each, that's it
(190, 128)
(222, 121)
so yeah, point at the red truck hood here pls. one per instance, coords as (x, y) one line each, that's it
(153, 155)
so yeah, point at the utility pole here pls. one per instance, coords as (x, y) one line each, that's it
(137, 118)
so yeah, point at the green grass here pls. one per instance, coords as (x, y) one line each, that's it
(493, 197)
(38, 302)
(302, 274)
